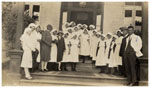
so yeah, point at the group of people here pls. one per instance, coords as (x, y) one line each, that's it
(110, 52)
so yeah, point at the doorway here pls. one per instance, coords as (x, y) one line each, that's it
(82, 17)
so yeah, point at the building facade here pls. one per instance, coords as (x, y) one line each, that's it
(106, 16)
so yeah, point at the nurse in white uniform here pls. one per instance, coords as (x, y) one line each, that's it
(28, 46)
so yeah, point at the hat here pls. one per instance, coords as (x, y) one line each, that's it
(115, 36)
(85, 26)
(103, 35)
(92, 26)
(60, 32)
(109, 33)
(69, 29)
(119, 31)
(53, 30)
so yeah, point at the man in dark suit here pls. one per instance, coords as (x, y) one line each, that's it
(122, 50)
(132, 52)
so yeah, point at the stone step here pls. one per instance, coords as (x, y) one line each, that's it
(75, 78)
(37, 82)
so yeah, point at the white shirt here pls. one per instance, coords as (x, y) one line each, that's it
(136, 44)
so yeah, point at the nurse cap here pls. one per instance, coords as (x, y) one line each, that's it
(92, 26)
(109, 33)
(84, 25)
(103, 35)
(115, 36)
(32, 25)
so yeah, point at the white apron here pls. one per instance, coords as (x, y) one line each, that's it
(74, 50)
(53, 52)
(85, 45)
(94, 47)
(101, 56)
(28, 46)
(67, 55)
(117, 50)
(112, 59)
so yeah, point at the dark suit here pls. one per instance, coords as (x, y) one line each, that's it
(130, 63)
(122, 53)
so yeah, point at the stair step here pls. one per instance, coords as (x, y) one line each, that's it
(65, 83)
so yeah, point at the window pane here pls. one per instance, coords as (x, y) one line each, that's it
(26, 7)
(36, 10)
(139, 13)
(138, 3)
(128, 13)
(129, 3)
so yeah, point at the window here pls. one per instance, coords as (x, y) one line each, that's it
(26, 7)
(36, 10)
(128, 13)
(138, 3)
(26, 10)
(129, 3)
(139, 13)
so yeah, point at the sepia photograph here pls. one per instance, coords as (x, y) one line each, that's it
(74, 43)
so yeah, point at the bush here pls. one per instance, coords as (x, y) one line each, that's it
(9, 23)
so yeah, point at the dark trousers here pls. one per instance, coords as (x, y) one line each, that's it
(130, 66)
(122, 69)
(34, 63)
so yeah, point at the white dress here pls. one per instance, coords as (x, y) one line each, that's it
(85, 45)
(112, 59)
(28, 46)
(53, 52)
(117, 50)
(74, 50)
(94, 47)
(67, 55)
(101, 56)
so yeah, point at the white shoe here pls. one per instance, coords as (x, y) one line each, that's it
(28, 78)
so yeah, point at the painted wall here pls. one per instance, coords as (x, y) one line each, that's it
(113, 16)
(50, 14)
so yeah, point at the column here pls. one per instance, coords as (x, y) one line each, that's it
(145, 28)
(16, 54)
(20, 23)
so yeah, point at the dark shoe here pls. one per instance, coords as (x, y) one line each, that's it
(135, 84)
(128, 84)
(46, 70)
(65, 69)
(42, 70)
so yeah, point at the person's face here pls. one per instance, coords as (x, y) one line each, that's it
(70, 31)
(125, 32)
(55, 33)
(66, 25)
(29, 32)
(38, 29)
(98, 36)
(91, 28)
(66, 35)
(85, 32)
(60, 34)
(108, 36)
(76, 29)
(49, 28)
(118, 34)
(113, 38)
(130, 31)
(74, 37)
(102, 38)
